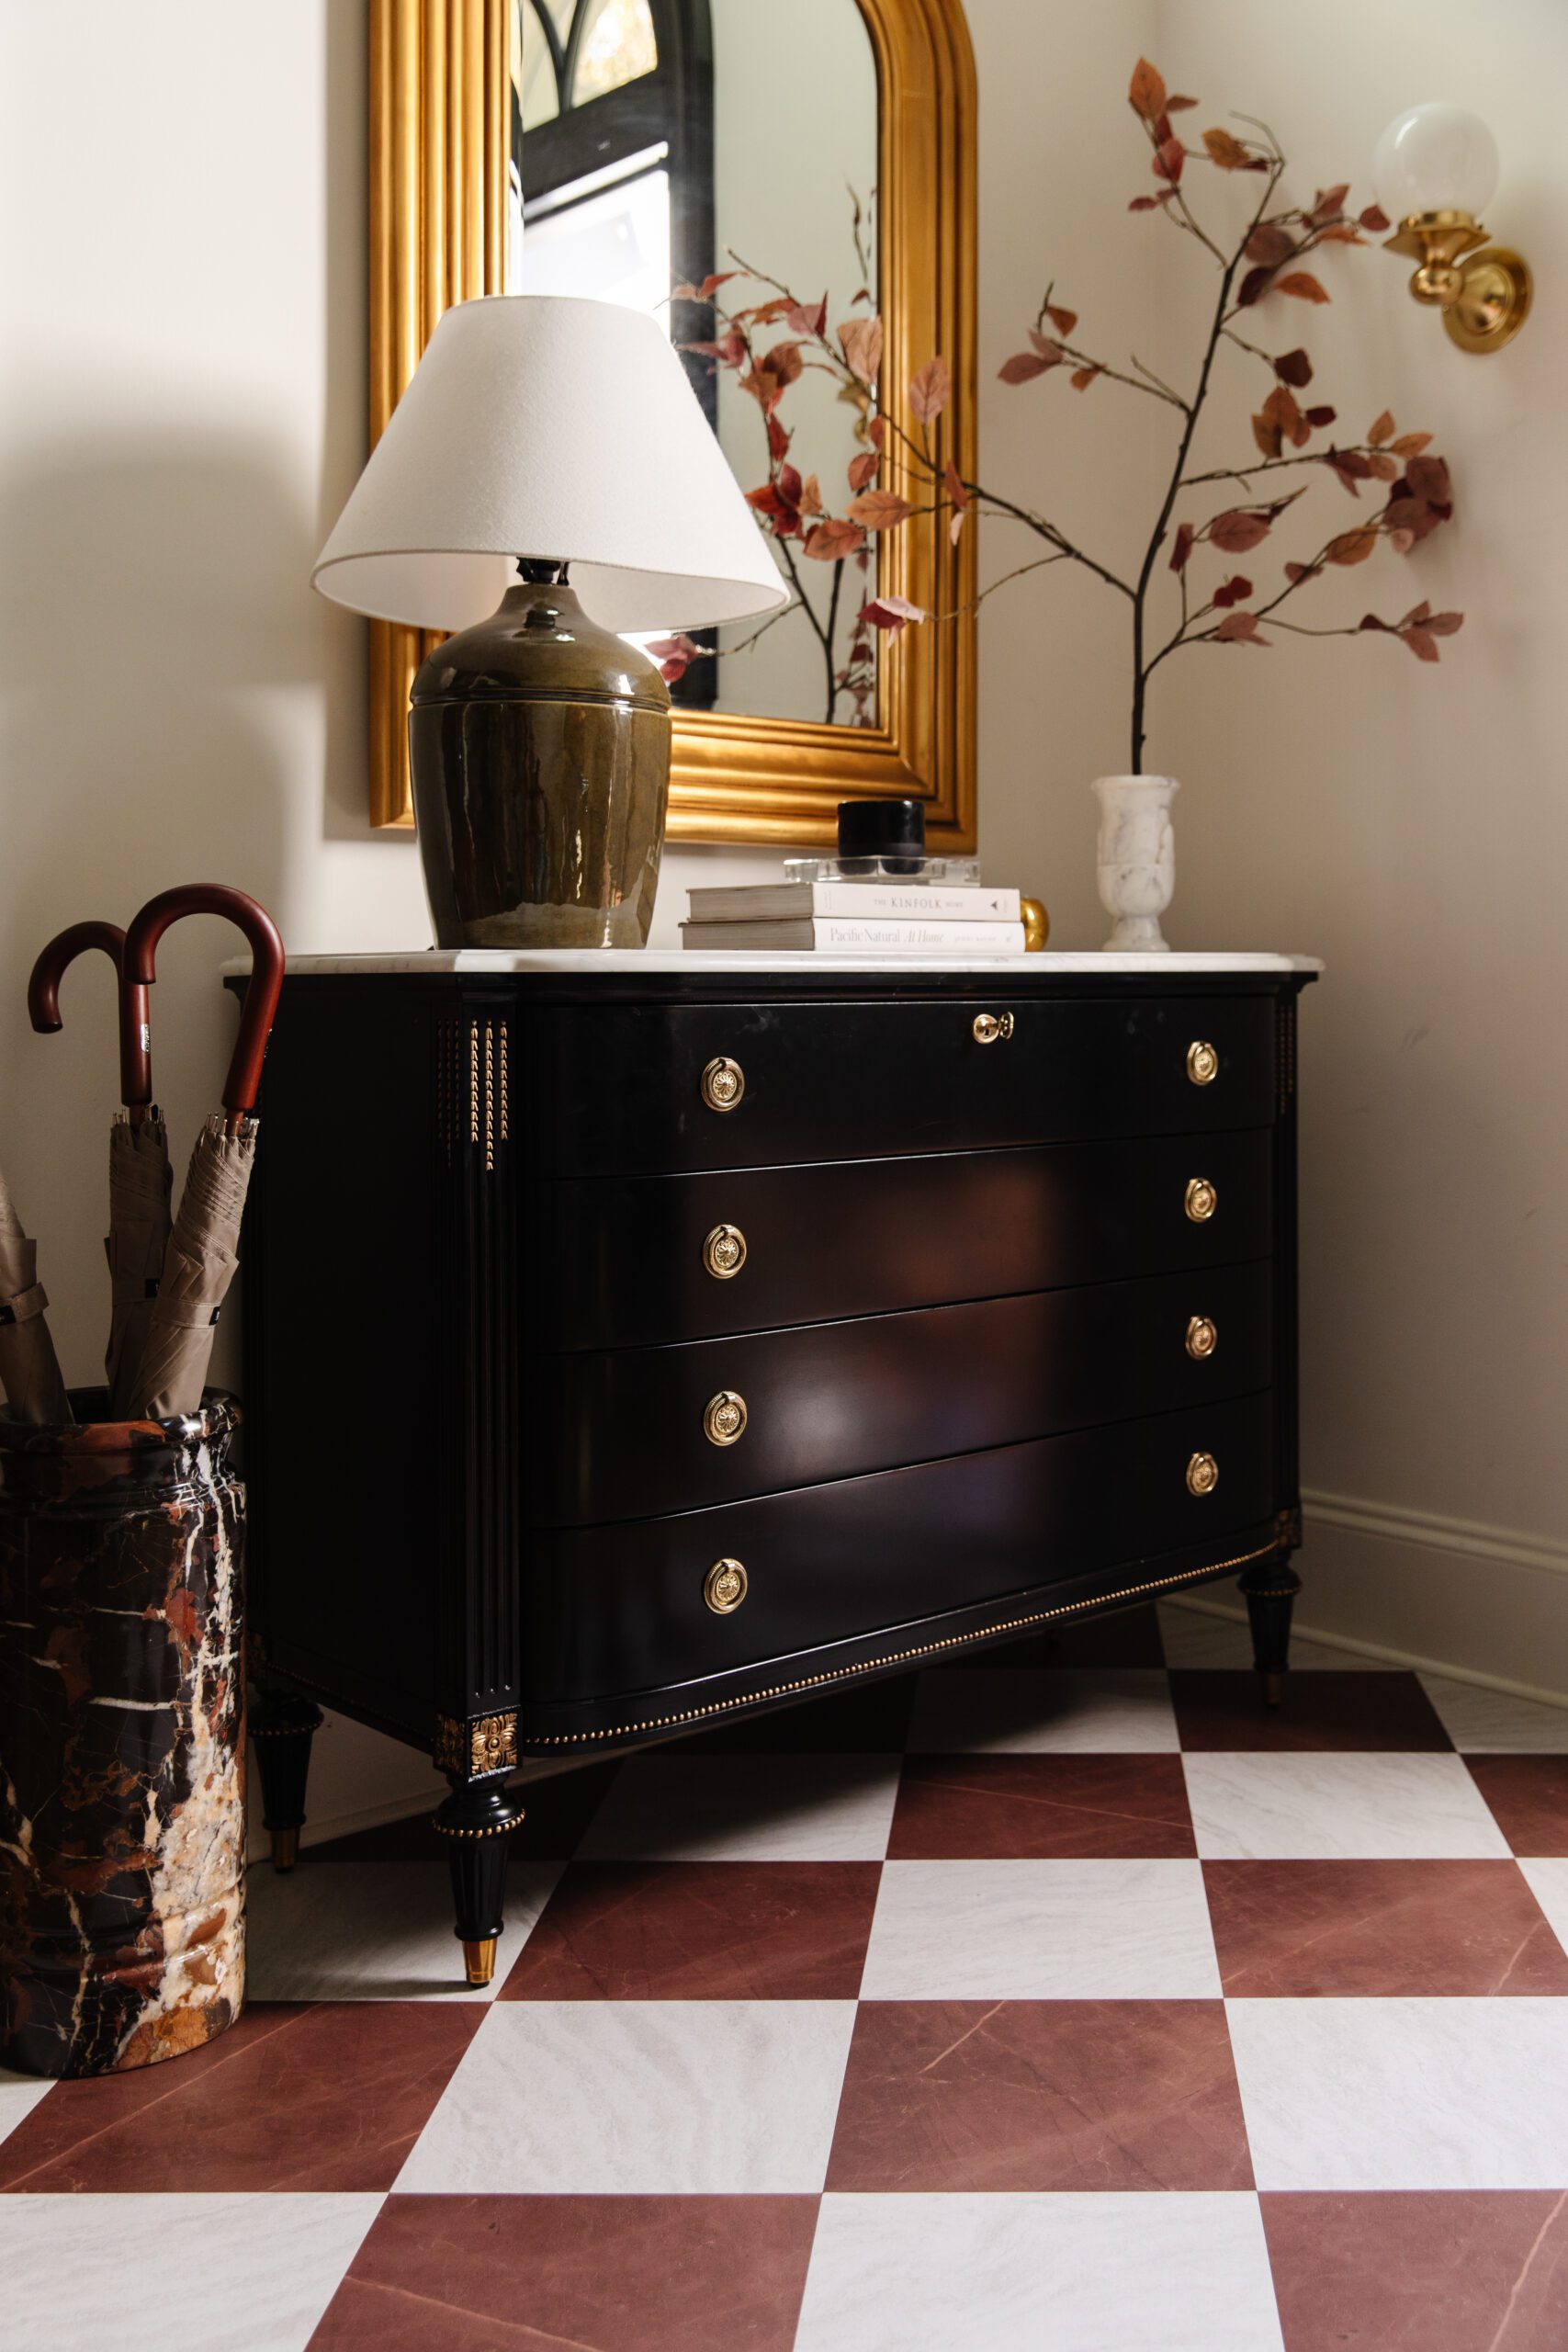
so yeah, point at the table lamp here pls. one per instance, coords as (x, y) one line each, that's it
(538, 433)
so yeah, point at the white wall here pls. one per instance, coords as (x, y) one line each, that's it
(182, 413)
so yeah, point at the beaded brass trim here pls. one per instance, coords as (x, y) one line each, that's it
(487, 1744)
(901, 1657)
(492, 1829)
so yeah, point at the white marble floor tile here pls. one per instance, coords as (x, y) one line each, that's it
(1008, 1710)
(1112, 2273)
(1191, 1638)
(1480, 1721)
(1548, 1882)
(1041, 1931)
(747, 1808)
(374, 1931)
(639, 2097)
(253, 2274)
(1353, 1807)
(19, 2094)
(1403, 2093)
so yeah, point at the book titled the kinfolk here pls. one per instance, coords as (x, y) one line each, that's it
(914, 901)
(887, 935)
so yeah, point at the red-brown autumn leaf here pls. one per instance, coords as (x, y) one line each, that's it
(891, 613)
(1267, 434)
(1442, 624)
(1319, 417)
(1023, 365)
(1239, 529)
(707, 290)
(1176, 105)
(1281, 410)
(1225, 151)
(812, 321)
(811, 497)
(1385, 468)
(1429, 478)
(1296, 572)
(862, 469)
(1151, 203)
(1410, 445)
(879, 510)
(860, 342)
(1084, 376)
(1270, 244)
(1168, 158)
(729, 351)
(1352, 547)
(876, 432)
(952, 483)
(1329, 205)
(930, 391)
(1293, 368)
(1063, 321)
(1235, 591)
(1340, 233)
(1050, 350)
(1350, 467)
(784, 362)
(1240, 629)
(778, 439)
(826, 542)
(1145, 92)
(1185, 535)
(1302, 284)
(764, 314)
(1375, 220)
(673, 655)
(1381, 431)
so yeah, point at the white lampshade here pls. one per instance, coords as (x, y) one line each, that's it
(546, 426)
(1435, 158)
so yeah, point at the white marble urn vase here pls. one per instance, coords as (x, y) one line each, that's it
(1135, 859)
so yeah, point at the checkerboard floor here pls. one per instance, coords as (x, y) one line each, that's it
(1059, 2001)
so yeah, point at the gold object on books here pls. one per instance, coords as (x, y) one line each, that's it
(1036, 925)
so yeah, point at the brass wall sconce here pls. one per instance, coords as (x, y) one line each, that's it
(1435, 170)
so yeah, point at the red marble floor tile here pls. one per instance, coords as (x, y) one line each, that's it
(981, 1808)
(327, 2098)
(1443, 2270)
(1529, 1797)
(862, 1719)
(1221, 1708)
(1379, 1930)
(601, 2274)
(1040, 2095)
(555, 1812)
(700, 1931)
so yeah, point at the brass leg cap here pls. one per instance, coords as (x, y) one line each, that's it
(1273, 1689)
(285, 1848)
(478, 1960)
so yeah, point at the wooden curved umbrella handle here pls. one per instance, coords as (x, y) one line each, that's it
(43, 993)
(261, 998)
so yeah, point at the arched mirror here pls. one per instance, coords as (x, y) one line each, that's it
(633, 151)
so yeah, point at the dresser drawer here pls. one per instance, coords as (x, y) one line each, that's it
(623, 1609)
(788, 1082)
(627, 1263)
(643, 1431)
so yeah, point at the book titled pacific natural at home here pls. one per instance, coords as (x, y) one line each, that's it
(846, 935)
(919, 902)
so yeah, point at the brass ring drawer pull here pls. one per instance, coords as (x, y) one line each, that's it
(724, 1082)
(1202, 1338)
(1202, 1475)
(989, 1026)
(724, 1587)
(724, 1251)
(724, 1417)
(1202, 1200)
(1202, 1062)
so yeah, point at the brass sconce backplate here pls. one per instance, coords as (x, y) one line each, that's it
(1485, 295)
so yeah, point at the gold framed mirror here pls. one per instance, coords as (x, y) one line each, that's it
(449, 85)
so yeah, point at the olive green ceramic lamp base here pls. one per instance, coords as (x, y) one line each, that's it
(540, 746)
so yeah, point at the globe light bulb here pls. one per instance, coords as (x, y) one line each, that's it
(1435, 158)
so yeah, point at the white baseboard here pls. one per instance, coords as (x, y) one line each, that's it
(1444, 1595)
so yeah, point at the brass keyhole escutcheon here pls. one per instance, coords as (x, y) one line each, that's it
(989, 1026)
(1202, 1062)
(1202, 1475)
(724, 1251)
(724, 1417)
(1202, 1338)
(724, 1587)
(724, 1082)
(1202, 1200)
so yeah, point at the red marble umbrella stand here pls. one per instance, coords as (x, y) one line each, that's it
(122, 1739)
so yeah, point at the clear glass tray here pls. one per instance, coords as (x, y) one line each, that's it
(916, 870)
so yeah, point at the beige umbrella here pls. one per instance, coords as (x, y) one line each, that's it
(29, 1373)
(138, 1235)
(169, 1372)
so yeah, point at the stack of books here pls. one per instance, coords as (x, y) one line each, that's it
(880, 918)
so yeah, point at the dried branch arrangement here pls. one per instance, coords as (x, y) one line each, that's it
(1209, 604)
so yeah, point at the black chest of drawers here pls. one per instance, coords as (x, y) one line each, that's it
(630, 1346)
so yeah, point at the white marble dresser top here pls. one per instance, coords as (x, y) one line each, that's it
(1102, 963)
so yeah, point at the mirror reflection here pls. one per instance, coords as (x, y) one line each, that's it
(652, 149)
